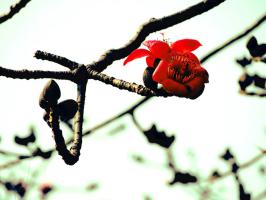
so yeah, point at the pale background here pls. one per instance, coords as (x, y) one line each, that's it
(82, 30)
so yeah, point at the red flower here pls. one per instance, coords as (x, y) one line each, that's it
(179, 71)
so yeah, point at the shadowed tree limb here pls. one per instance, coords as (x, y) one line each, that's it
(234, 39)
(14, 9)
(149, 27)
(56, 59)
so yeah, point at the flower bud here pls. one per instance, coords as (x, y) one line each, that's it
(147, 78)
(67, 109)
(49, 95)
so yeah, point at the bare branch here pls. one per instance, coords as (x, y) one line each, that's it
(14, 9)
(152, 26)
(56, 59)
(234, 39)
(35, 74)
(242, 166)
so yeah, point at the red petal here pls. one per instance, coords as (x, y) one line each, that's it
(160, 73)
(137, 53)
(196, 86)
(185, 45)
(158, 48)
(175, 88)
(150, 61)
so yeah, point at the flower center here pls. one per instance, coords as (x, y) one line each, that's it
(180, 68)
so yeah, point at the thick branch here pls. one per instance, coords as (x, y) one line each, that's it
(14, 9)
(35, 74)
(234, 39)
(152, 26)
(124, 85)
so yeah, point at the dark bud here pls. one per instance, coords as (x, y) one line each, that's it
(183, 178)
(147, 78)
(216, 174)
(260, 50)
(244, 62)
(67, 109)
(259, 81)
(46, 188)
(24, 141)
(156, 62)
(20, 189)
(49, 95)
(244, 81)
(235, 168)
(255, 49)
(243, 195)
(159, 137)
(227, 155)
(252, 45)
(44, 155)
(9, 186)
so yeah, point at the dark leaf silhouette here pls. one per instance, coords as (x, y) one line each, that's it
(259, 81)
(216, 174)
(243, 62)
(183, 178)
(227, 155)
(19, 188)
(24, 141)
(244, 81)
(255, 49)
(235, 168)
(159, 137)
(44, 155)
(243, 195)
(9, 186)
(263, 60)
(45, 189)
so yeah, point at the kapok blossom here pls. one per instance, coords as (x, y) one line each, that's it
(179, 70)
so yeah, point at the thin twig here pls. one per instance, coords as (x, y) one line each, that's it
(234, 39)
(241, 167)
(14, 9)
(56, 59)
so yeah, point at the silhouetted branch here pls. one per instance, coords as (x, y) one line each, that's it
(56, 59)
(14, 9)
(234, 39)
(149, 27)
(241, 167)
(35, 74)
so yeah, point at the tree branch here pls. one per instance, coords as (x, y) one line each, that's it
(14, 9)
(152, 26)
(234, 39)
(56, 59)
(35, 74)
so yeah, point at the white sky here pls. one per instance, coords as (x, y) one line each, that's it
(82, 30)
